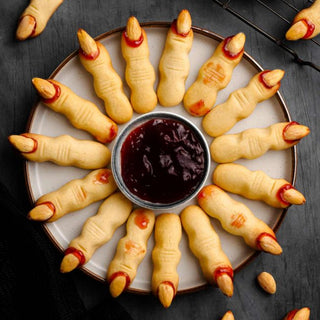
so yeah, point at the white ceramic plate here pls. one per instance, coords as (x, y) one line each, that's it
(45, 177)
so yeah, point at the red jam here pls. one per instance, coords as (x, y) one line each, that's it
(261, 79)
(198, 109)
(175, 30)
(132, 43)
(261, 235)
(223, 270)
(50, 205)
(103, 176)
(90, 56)
(170, 284)
(56, 95)
(292, 123)
(35, 146)
(77, 253)
(281, 192)
(120, 274)
(35, 24)
(113, 131)
(227, 53)
(310, 29)
(162, 161)
(141, 220)
(291, 314)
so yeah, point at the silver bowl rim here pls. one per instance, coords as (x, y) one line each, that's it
(116, 159)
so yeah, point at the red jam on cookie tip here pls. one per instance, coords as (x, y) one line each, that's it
(91, 55)
(77, 253)
(56, 95)
(120, 274)
(227, 52)
(35, 146)
(218, 272)
(132, 43)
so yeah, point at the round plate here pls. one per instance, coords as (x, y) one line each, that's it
(46, 177)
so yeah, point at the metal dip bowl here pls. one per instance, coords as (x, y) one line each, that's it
(193, 156)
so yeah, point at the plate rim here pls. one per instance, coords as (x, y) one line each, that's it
(201, 31)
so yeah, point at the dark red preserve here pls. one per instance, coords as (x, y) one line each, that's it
(162, 161)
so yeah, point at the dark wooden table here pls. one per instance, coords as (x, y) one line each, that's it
(296, 270)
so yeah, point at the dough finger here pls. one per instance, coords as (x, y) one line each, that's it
(237, 219)
(107, 83)
(214, 75)
(74, 195)
(131, 250)
(96, 231)
(63, 150)
(242, 102)
(35, 17)
(82, 113)
(256, 185)
(306, 24)
(174, 63)
(139, 74)
(253, 143)
(166, 256)
(205, 244)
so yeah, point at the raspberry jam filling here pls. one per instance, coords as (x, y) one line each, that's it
(175, 30)
(227, 53)
(132, 43)
(77, 253)
(56, 95)
(91, 55)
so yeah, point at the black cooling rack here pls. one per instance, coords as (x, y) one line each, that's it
(283, 12)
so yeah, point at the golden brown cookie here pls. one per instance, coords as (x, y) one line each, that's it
(253, 143)
(82, 113)
(174, 63)
(166, 256)
(62, 150)
(256, 185)
(131, 250)
(237, 219)
(74, 195)
(35, 17)
(107, 83)
(140, 75)
(214, 75)
(96, 231)
(306, 24)
(242, 102)
(205, 244)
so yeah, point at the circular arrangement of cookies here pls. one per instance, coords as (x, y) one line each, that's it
(177, 190)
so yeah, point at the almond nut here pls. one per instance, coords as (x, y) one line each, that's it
(267, 282)
(228, 316)
(296, 314)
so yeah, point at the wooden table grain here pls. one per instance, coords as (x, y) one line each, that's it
(296, 270)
